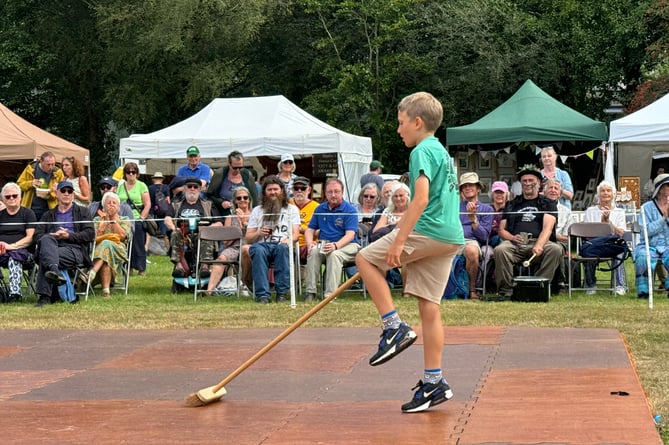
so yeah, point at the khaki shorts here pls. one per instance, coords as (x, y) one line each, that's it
(470, 242)
(426, 263)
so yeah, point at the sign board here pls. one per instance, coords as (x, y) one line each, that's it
(631, 184)
(325, 165)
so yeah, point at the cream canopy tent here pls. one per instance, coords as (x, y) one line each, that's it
(641, 136)
(21, 140)
(255, 126)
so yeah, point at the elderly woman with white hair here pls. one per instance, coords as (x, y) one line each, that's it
(111, 233)
(605, 211)
(16, 235)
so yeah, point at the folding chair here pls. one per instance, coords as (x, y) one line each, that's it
(124, 270)
(579, 233)
(218, 234)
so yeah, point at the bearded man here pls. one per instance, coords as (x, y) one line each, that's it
(187, 215)
(267, 232)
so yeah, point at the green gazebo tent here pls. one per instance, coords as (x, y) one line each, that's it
(530, 115)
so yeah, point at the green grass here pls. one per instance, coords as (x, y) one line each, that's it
(151, 305)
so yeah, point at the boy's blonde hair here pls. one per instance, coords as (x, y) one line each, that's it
(425, 106)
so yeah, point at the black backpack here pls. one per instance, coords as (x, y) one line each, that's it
(609, 246)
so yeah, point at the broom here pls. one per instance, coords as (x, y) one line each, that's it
(214, 393)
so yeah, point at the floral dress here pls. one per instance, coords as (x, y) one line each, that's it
(111, 252)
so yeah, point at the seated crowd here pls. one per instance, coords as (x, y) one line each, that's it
(97, 238)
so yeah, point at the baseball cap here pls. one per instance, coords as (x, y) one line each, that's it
(375, 165)
(108, 180)
(63, 184)
(499, 186)
(192, 150)
(287, 157)
(301, 180)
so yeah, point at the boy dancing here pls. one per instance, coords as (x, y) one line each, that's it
(424, 243)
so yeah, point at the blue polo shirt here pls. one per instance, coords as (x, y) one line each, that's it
(202, 171)
(333, 223)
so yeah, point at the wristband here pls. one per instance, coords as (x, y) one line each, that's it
(335, 244)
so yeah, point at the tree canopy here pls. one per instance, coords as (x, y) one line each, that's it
(86, 69)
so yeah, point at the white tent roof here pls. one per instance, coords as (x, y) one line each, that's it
(649, 124)
(640, 137)
(255, 126)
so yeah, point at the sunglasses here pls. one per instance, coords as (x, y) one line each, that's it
(192, 186)
(242, 198)
(67, 191)
(287, 162)
(237, 168)
(299, 189)
(369, 196)
(105, 187)
(131, 172)
(11, 196)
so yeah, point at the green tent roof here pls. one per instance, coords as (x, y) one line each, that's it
(529, 115)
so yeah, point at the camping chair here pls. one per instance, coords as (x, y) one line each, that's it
(124, 269)
(218, 234)
(579, 233)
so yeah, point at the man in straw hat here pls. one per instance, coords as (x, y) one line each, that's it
(656, 213)
(527, 230)
(476, 219)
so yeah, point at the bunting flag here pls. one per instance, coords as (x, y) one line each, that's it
(564, 158)
(590, 154)
(508, 149)
(483, 154)
(494, 152)
(537, 149)
(470, 151)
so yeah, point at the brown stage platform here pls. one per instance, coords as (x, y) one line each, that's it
(512, 386)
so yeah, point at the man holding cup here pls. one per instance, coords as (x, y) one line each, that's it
(268, 234)
(337, 221)
(527, 230)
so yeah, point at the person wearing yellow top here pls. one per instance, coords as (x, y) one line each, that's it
(38, 184)
(306, 206)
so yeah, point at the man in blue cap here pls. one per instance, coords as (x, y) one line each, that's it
(195, 167)
(63, 239)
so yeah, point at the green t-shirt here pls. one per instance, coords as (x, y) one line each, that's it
(441, 218)
(135, 196)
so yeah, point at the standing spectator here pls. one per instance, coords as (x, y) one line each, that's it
(195, 167)
(63, 242)
(550, 170)
(111, 232)
(527, 228)
(476, 219)
(16, 235)
(231, 251)
(338, 224)
(307, 207)
(424, 244)
(73, 171)
(606, 211)
(286, 173)
(156, 212)
(268, 235)
(656, 212)
(38, 184)
(136, 194)
(226, 179)
(375, 168)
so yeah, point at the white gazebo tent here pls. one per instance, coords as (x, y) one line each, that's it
(255, 126)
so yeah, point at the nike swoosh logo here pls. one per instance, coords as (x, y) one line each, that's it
(392, 339)
(428, 394)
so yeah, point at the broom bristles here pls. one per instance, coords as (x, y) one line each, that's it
(193, 401)
(204, 397)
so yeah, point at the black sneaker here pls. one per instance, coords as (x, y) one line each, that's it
(280, 298)
(54, 277)
(43, 301)
(393, 341)
(428, 394)
(14, 298)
